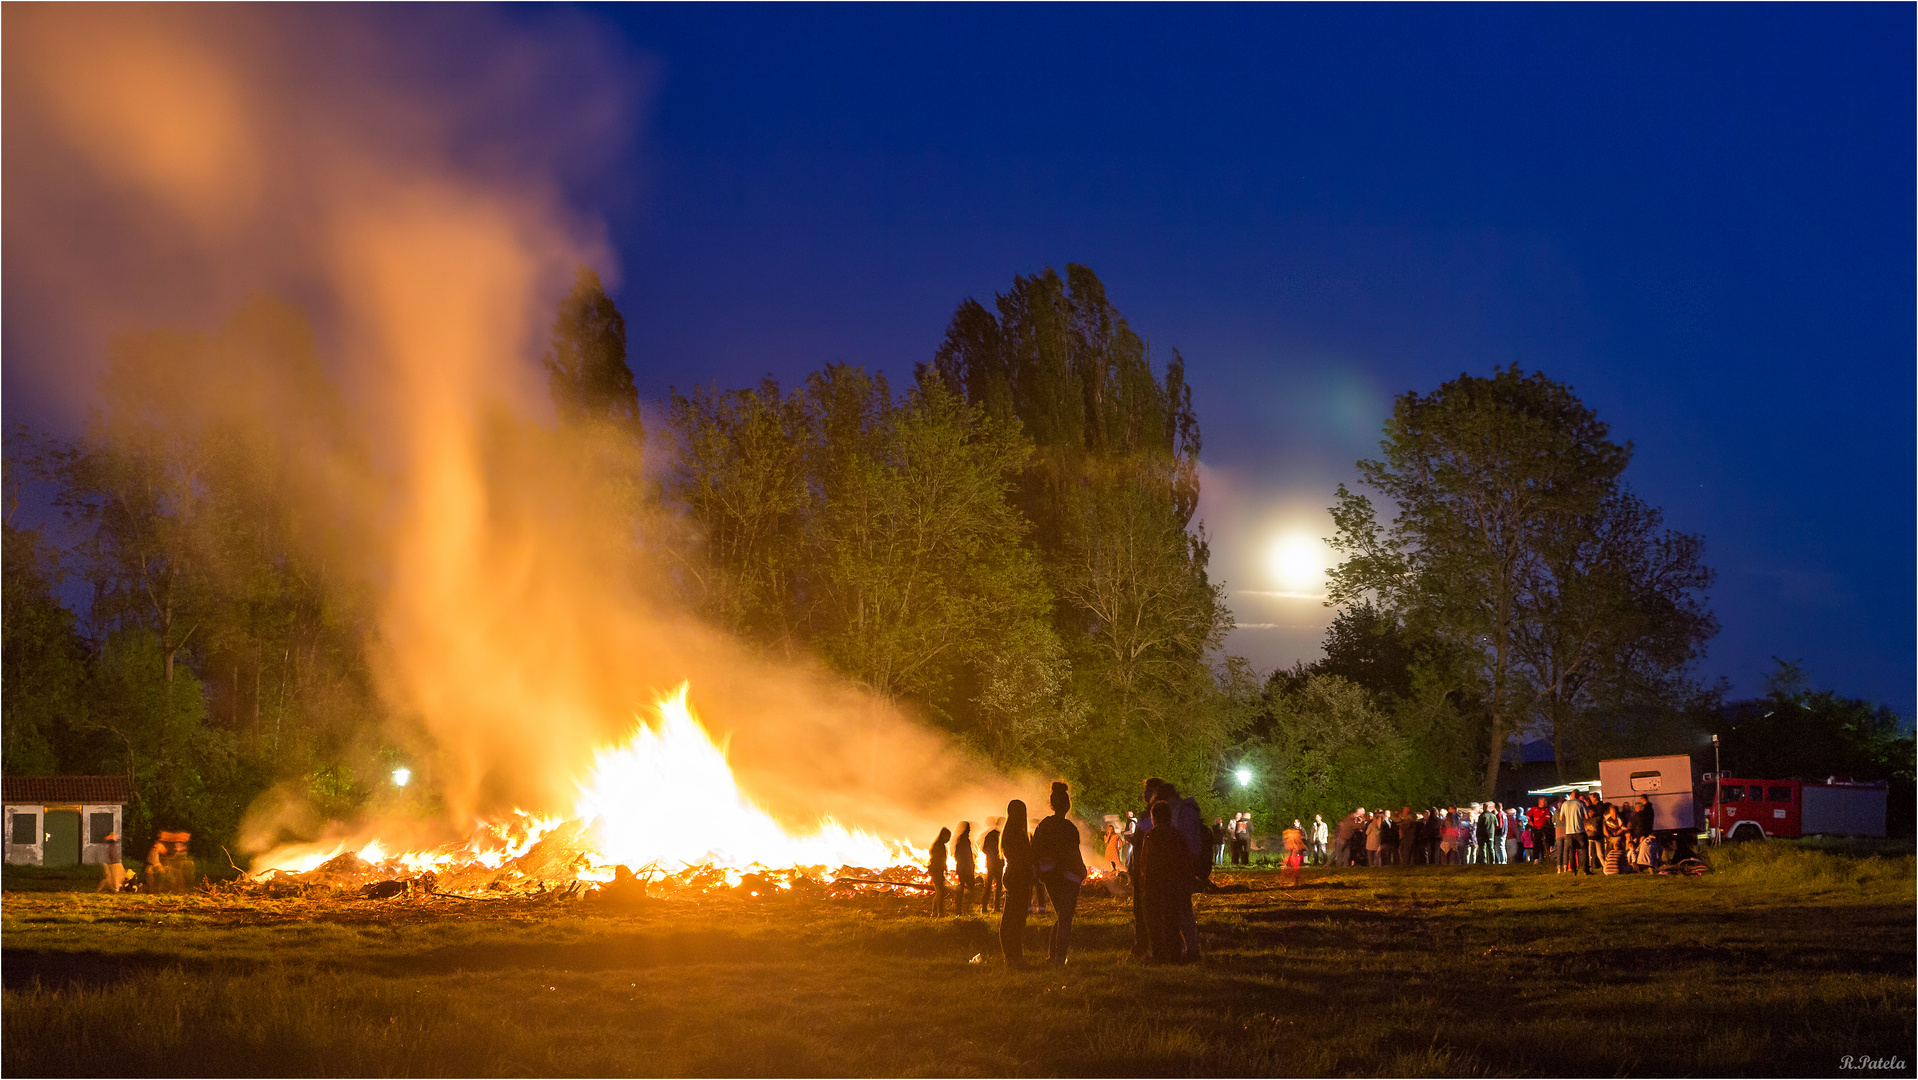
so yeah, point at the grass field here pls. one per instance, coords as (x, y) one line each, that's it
(1782, 962)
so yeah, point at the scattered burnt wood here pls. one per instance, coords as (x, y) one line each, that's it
(880, 881)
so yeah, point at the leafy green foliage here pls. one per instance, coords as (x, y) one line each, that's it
(44, 655)
(876, 531)
(1515, 547)
(1111, 489)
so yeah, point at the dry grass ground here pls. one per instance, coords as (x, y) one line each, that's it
(1782, 963)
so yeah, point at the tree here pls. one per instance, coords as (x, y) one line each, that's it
(1795, 731)
(586, 367)
(1111, 488)
(194, 490)
(1474, 469)
(1615, 621)
(920, 548)
(740, 470)
(44, 656)
(877, 532)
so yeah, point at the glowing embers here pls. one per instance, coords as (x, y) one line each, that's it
(664, 804)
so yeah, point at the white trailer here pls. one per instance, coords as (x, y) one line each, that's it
(1666, 781)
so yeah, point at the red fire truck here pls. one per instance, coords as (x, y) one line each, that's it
(1749, 809)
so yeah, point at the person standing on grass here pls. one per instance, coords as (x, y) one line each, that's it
(1594, 827)
(1115, 849)
(1571, 829)
(1015, 846)
(936, 867)
(1141, 942)
(1321, 832)
(1166, 861)
(962, 867)
(1539, 821)
(1487, 835)
(1293, 841)
(1190, 825)
(1059, 867)
(1342, 838)
(1514, 828)
(1374, 838)
(1468, 836)
(995, 867)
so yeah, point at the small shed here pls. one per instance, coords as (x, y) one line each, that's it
(62, 820)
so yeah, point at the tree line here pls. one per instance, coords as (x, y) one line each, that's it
(1005, 545)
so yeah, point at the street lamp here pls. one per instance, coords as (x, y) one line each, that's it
(1244, 777)
(401, 776)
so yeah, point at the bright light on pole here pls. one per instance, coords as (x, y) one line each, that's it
(1245, 777)
(401, 775)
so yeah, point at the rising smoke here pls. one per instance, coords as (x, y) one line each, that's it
(168, 165)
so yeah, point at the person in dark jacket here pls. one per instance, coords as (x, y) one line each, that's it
(1060, 868)
(962, 867)
(1408, 826)
(995, 869)
(937, 868)
(1191, 828)
(1141, 944)
(1169, 881)
(1015, 846)
(1642, 818)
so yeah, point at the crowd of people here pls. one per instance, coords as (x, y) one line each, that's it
(1578, 832)
(1167, 853)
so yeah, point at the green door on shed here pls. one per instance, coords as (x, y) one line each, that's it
(63, 839)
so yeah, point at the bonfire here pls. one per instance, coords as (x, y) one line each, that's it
(660, 813)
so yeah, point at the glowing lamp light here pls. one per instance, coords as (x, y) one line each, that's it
(1245, 776)
(401, 776)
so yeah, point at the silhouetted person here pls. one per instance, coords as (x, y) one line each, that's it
(1060, 867)
(1166, 862)
(937, 868)
(1141, 943)
(1015, 846)
(995, 869)
(962, 866)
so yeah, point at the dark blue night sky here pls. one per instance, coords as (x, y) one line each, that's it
(1700, 217)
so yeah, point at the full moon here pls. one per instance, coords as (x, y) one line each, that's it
(1297, 563)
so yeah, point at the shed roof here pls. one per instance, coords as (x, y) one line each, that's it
(65, 789)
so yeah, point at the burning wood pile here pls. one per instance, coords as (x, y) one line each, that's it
(659, 816)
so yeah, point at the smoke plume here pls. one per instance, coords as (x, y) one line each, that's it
(167, 165)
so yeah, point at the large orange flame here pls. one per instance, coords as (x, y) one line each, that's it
(664, 800)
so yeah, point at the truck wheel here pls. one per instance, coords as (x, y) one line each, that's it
(1744, 832)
